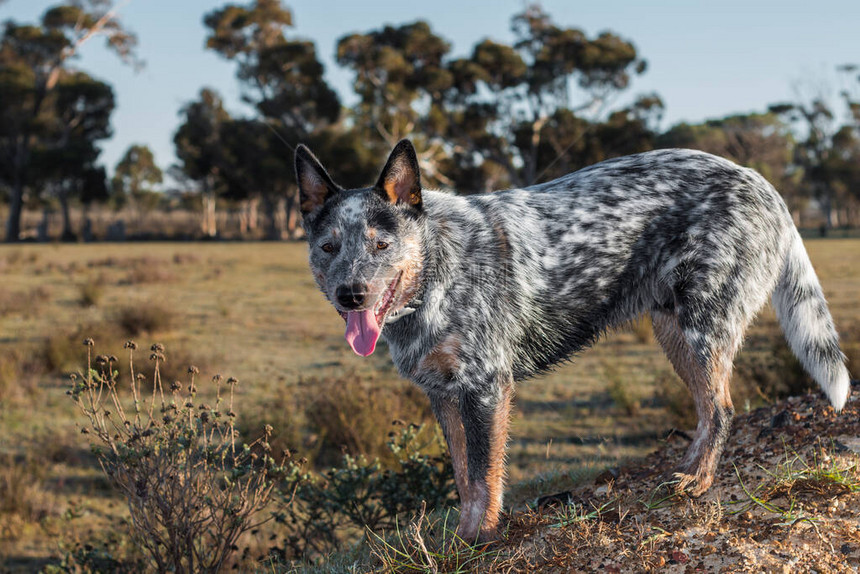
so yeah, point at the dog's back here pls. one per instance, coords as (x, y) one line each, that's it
(541, 272)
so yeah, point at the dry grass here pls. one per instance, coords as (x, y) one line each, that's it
(253, 310)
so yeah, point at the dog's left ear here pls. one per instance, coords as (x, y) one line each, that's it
(315, 185)
(400, 181)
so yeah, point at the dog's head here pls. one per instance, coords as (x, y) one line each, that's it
(364, 244)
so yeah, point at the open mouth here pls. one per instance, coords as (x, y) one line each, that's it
(363, 327)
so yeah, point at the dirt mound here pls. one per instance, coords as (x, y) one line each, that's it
(786, 498)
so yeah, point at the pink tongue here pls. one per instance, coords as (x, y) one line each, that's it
(362, 331)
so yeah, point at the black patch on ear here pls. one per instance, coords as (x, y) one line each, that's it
(400, 181)
(315, 184)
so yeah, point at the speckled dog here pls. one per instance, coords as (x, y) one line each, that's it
(473, 293)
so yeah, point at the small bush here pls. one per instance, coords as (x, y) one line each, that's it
(642, 330)
(620, 391)
(144, 270)
(192, 490)
(90, 293)
(22, 489)
(323, 512)
(146, 317)
(60, 352)
(674, 395)
(767, 377)
(19, 375)
(25, 303)
(345, 414)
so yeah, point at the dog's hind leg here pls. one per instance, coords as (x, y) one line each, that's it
(704, 362)
(485, 416)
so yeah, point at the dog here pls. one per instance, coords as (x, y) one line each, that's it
(475, 293)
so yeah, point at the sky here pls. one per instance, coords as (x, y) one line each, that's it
(706, 59)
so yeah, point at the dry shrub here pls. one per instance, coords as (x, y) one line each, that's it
(673, 394)
(284, 413)
(61, 350)
(143, 270)
(90, 292)
(19, 375)
(185, 258)
(352, 414)
(22, 492)
(19, 257)
(139, 270)
(191, 488)
(175, 366)
(641, 329)
(761, 378)
(619, 390)
(25, 303)
(145, 317)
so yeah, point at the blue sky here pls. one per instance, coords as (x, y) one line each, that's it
(706, 59)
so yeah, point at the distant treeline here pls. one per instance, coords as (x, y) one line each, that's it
(507, 115)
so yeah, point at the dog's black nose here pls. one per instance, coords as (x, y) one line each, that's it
(351, 296)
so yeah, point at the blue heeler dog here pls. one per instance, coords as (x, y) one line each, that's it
(473, 293)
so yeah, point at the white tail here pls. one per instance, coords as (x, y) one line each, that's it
(808, 326)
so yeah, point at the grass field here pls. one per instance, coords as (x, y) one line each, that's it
(252, 311)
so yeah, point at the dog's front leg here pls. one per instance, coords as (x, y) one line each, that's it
(485, 415)
(448, 414)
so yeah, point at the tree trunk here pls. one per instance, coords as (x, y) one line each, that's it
(209, 226)
(248, 215)
(68, 234)
(16, 204)
(43, 230)
(292, 214)
(275, 229)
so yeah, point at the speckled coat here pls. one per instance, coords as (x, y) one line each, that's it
(474, 293)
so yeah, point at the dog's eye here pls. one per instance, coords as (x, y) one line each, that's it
(380, 245)
(327, 247)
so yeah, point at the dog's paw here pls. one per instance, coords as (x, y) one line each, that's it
(693, 485)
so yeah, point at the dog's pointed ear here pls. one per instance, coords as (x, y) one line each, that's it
(315, 185)
(400, 181)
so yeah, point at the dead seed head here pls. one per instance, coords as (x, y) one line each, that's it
(193, 370)
(157, 347)
(130, 345)
(102, 360)
(216, 379)
(175, 386)
(232, 381)
(112, 359)
(89, 342)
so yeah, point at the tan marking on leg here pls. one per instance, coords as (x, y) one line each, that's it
(496, 472)
(710, 390)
